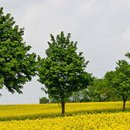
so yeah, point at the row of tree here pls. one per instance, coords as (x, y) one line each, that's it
(114, 86)
(62, 71)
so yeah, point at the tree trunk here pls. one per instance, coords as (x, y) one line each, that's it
(124, 101)
(63, 108)
(124, 97)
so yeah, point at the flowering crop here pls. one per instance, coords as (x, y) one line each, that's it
(30, 117)
(33, 111)
(102, 121)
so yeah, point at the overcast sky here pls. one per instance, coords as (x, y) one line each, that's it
(101, 28)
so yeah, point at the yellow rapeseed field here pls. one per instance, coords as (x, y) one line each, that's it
(102, 121)
(79, 116)
(45, 110)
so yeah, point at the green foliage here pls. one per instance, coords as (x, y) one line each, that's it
(120, 80)
(80, 96)
(63, 70)
(100, 90)
(43, 100)
(16, 64)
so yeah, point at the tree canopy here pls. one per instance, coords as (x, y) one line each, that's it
(17, 65)
(100, 90)
(120, 80)
(63, 70)
(43, 100)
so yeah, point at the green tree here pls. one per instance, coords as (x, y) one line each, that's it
(17, 66)
(100, 90)
(120, 80)
(63, 70)
(43, 100)
(80, 96)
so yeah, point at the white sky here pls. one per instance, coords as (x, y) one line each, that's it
(101, 28)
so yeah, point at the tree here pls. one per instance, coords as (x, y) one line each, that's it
(120, 80)
(80, 96)
(63, 70)
(17, 66)
(76, 97)
(100, 90)
(43, 100)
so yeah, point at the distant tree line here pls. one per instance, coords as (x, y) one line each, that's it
(99, 91)
(62, 71)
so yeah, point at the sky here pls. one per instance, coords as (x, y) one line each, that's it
(101, 28)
